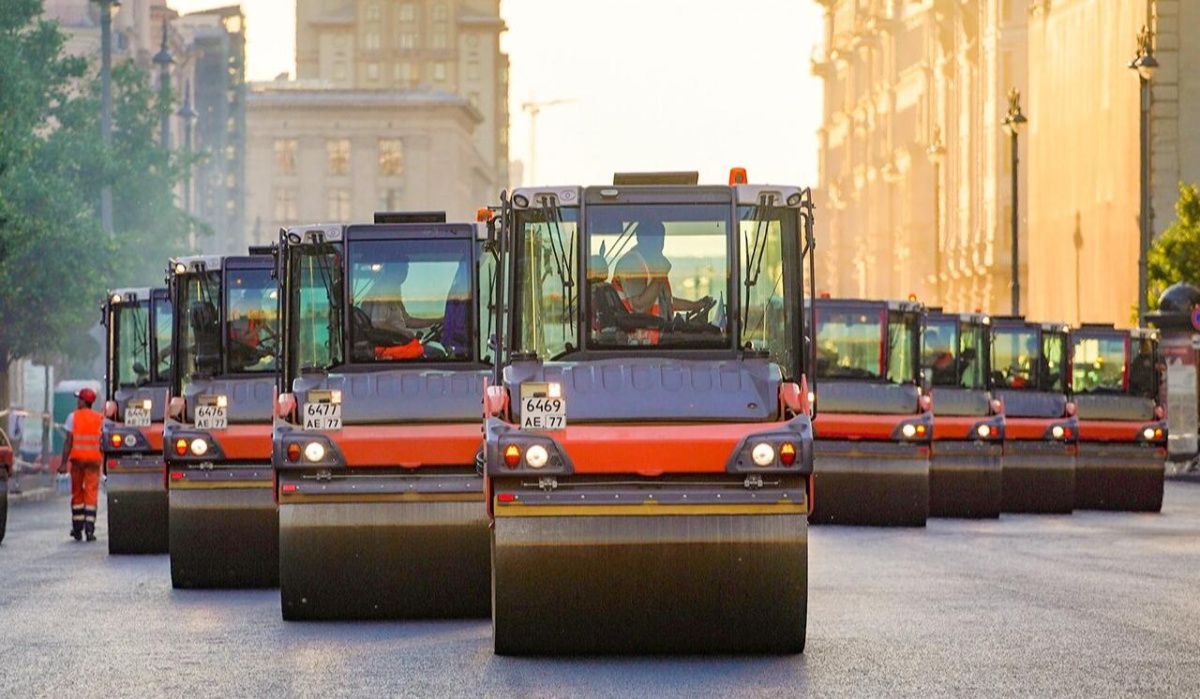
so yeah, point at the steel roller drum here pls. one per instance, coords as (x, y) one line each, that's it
(137, 508)
(3, 502)
(1038, 477)
(574, 581)
(870, 483)
(1126, 477)
(965, 480)
(395, 556)
(223, 533)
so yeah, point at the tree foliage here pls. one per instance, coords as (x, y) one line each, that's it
(1175, 255)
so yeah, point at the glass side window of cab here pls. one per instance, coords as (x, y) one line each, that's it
(198, 326)
(132, 365)
(972, 359)
(1054, 362)
(164, 323)
(316, 321)
(252, 321)
(658, 274)
(411, 299)
(545, 283)
(770, 314)
(939, 352)
(850, 343)
(902, 347)
(1144, 368)
(1098, 365)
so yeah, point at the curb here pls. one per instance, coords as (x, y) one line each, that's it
(31, 495)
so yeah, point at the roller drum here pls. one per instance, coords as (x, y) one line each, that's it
(137, 510)
(1038, 477)
(384, 560)
(3, 502)
(875, 484)
(224, 538)
(579, 584)
(1127, 477)
(965, 480)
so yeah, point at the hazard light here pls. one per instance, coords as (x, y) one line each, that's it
(293, 451)
(181, 446)
(787, 453)
(737, 175)
(116, 440)
(512, 456)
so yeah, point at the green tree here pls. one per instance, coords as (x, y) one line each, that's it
(1175, 255)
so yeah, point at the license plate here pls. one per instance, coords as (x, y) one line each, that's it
(322, 416)
(212, 417)
(543, 407)
(137, 417)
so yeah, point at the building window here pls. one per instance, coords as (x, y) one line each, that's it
(438, 40)
(406, 41)
(472, 70)
(373, 12)
(373, 72)
(339, 205)
(339, 156)
(391, 157)
(406, 72)
(285, 205)
(339, 72)
(341, 42)
(439, 71)
(285, 156)
(407, 12)
(389, 200)
(440, 13)
(371, 41)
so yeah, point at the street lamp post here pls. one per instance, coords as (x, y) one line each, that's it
(163, 60)
(187, 115)
(937, 152)
(1145, 64)
(1013, 121)
(106, 12)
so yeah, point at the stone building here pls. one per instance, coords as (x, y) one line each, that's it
(320, 154)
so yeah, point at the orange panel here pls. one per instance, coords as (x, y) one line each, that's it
(1109, 430)
(245, 442)
(956, 428)
(855, 426)
(652, 450)
(409, 446)
(153, 435)
(1025, 427)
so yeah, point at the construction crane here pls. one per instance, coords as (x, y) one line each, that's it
(533, 108)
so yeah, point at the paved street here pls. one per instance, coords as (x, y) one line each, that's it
(1090, 604)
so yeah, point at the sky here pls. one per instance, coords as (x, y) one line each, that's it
(651, 84)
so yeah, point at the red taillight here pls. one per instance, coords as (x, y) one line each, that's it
(181, 446)
(289, 488)
(1158, 433)
(506, 497)
(293, 451)
(512, 455)
(177, 475)
(115, 439)
(787, 454)
(920, 430)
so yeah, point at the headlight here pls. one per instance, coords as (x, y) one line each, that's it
(1057, 431)
(1148, 433)
(314, 451)
(199, 447)
(536, 456)
(130, 440)
(984, 431)
(909, 430)
(763, 454)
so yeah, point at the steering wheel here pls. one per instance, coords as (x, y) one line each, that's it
(365, 330)
(430, 333)
(700, 313)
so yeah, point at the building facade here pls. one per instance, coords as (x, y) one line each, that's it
(320, 154)
(449, 46)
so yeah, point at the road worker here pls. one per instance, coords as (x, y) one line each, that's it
(81, 450)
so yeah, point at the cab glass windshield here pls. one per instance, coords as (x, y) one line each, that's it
(164, 323)
(1054, 364)
(658, 275)
(410, 300)
(1015, 358)
(131, 331)
(199, 325)
(939, 351)
(902, 347)
(850, 343)
(1144, 368)
(252, 320)
(972, 356)
(1098, 365)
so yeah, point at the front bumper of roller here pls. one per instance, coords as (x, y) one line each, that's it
(384, 545)
(871, 483)
(1120, 476)
(965, 479)
(649, 566)
(1038, 476)
(224, 526)
(138, 507)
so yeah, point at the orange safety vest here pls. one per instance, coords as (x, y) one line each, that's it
(85, 435)
(652, 336)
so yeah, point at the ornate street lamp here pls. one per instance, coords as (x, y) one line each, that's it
(188, 116)
(107, 8)
(1145, 64)
(1014, 120)
(937, 153)
(163, 60)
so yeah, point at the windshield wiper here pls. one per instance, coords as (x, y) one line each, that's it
(558, 251)
(757, 247)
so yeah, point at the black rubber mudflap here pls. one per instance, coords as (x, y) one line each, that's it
(1039, 477)
(861, 483)
(137, 513)
(3, 503)
(965, 480)
(223, 538)
(1126, 477)
(649, 584)
(384, 560)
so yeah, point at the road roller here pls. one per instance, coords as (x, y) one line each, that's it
(1115, 380)
(223, 529)
(648, 434)
(1029, 369)
(138, 325)
(377, 435)
(873, 415)
(968, 424)
(6, 472)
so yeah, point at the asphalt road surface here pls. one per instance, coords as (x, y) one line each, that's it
(1091, 604)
